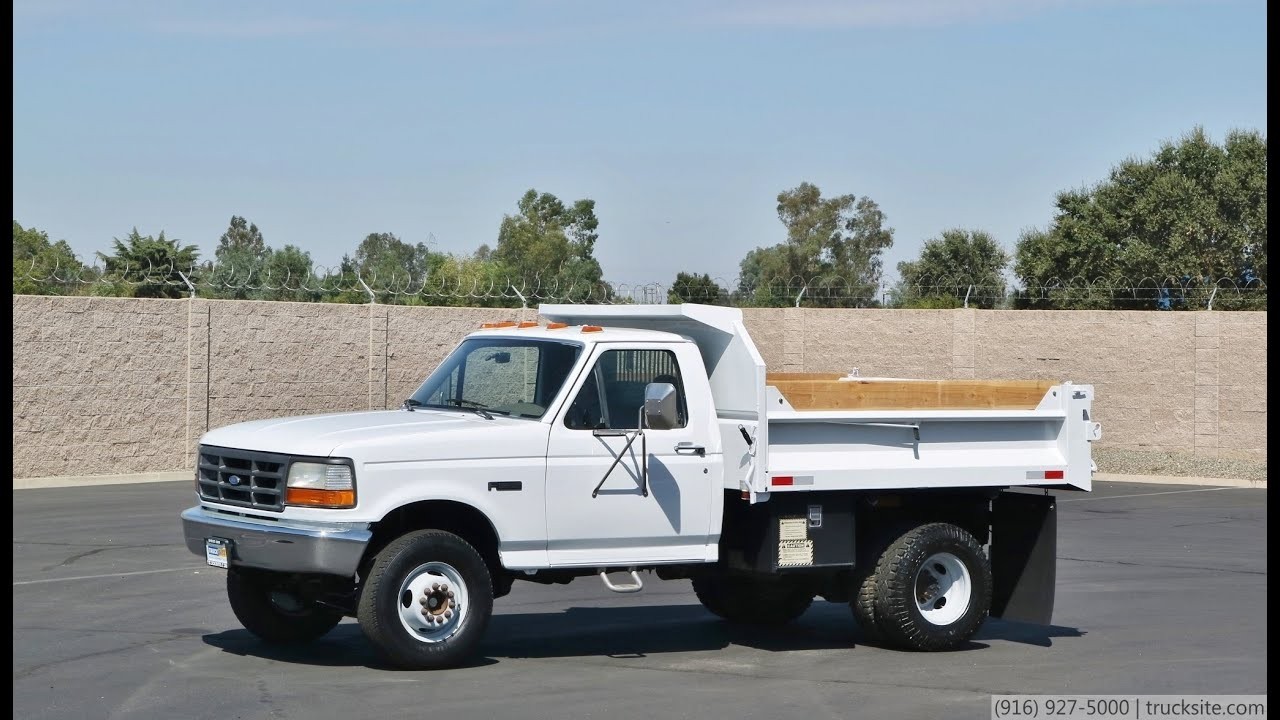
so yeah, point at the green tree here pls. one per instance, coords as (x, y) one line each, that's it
(957, 264)
(470, 281)
(832, 251)
(547, 249)
(44, 268)
(239, 261)
(146, 266)
(393, 268)
(694, 288)
(241, 235)
(1193, 213)
(288, 274)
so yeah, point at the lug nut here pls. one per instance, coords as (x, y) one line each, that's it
(435, 586)
(449, 594)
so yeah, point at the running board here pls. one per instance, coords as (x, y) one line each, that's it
(635, 586)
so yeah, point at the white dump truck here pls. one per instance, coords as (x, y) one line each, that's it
(630, 439)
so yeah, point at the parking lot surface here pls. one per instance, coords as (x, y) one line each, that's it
(1161, 589)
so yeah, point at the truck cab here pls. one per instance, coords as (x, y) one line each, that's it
(639, 438)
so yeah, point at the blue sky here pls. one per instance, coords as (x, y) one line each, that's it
(322, 122)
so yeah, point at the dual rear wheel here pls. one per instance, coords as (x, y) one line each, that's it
(929, 589)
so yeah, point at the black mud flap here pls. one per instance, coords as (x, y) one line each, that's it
(1024, 548)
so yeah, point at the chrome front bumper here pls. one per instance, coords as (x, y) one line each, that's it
(327, 548)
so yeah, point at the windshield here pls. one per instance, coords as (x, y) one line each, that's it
(508, 376)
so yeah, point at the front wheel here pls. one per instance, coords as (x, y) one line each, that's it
(932, 588)
(269, 608)
(426, 601)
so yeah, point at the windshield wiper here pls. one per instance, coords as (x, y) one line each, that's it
(473, 406)
(409, 404)
(450, 403)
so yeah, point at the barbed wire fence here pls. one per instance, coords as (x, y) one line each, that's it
(458, 286)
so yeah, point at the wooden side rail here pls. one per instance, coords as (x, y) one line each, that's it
(824, 391)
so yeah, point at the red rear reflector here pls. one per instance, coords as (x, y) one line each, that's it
(783, 480)
(1052, 474)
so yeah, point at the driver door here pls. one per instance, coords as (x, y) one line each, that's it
(621, 525)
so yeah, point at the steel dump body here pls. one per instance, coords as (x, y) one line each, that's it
(772, 446)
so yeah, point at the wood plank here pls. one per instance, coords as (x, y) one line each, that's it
(912, 394)
(770, 377)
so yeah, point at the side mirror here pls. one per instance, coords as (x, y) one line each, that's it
(661, 406)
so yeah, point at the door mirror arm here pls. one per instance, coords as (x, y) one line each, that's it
(631, 438)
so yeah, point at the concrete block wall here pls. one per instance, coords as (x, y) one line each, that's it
(111, 385)
(99, 385)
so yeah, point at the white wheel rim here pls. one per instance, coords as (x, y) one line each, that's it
(943, 589)
(432, 602)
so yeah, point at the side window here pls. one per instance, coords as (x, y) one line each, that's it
(613, 394)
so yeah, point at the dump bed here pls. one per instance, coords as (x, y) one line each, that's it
(794, 432)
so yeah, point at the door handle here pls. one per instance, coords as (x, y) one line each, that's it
(688, 448)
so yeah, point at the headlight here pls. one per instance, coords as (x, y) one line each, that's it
(329, 485)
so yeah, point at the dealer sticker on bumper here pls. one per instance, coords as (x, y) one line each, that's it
(217, 551)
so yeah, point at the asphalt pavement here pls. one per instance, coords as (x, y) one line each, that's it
(1161, 589)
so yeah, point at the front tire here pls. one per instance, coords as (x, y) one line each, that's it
(932, 588)
(426, 601)
(748, 601)
(267, 607)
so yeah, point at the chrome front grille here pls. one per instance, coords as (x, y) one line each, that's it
(242, 477)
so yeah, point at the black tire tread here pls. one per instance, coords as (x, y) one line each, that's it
(896, 615)
(864, 605)
(249, 596)
(738, 599)
(386, 634)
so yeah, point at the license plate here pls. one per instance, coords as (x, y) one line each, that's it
(217, 552)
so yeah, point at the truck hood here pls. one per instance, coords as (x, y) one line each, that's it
(345, 434)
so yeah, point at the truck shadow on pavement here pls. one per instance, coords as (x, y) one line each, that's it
(622, 632)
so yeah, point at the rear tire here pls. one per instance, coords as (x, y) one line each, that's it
(751, 602)
(863, 605)
(265, 607)
(426, 601)
(932, 588)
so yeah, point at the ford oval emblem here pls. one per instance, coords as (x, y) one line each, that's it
(234, 479)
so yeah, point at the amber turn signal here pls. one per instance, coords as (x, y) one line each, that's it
(308, 497)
